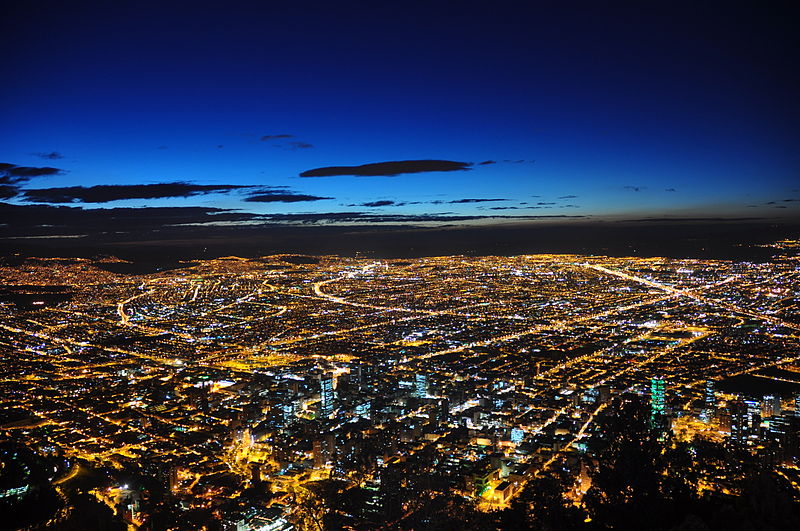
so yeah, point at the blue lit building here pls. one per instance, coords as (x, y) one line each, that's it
(362, 410)
(421, 386)
(326, 396)
(709, 401)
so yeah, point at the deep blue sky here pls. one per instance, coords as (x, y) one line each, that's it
(685, 110)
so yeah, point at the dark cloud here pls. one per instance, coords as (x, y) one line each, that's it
(300, 145)
(220, 146)
(50, 220)
(519, 161)
(53, 155)
(635, 188)
(670, 190)
(374, 204)
(33, 220)
(282, 197)
(792, 200)
(544, 203)
(389, 169)
(568, 197)
(505, 208)
(104, 193)
(290, 145)
(486, 162)
(13, 174)
(475, 200)
(8, 191)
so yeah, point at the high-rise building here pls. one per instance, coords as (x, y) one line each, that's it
(770, 405)
(709, 402)
(710, 395)
(779, 427)
(355, 373)
(289, 410)
(421, 386)
(443, 411)
(604, 394)
(739, 421)
(591, 396)
(317, 452)
(753, 414)
(326, 396)
(362, 410)
(724, 420)
(657, 402)
(360, 375)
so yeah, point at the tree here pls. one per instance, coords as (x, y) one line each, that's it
(543, 505)
(639, 481)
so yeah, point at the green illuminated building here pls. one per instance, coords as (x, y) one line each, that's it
(657, 403)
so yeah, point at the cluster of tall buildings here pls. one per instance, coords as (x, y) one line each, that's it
(745, 418)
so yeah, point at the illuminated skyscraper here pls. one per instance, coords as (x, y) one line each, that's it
(709, 402)
(362, 409)
(770, 405)
(739, 421)
(657, 403)
(710, 395)
(753, 414)
(289, 410)
(421, 386)
(779, 427)
(326, 396)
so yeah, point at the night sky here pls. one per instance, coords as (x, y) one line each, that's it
(395, 113)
